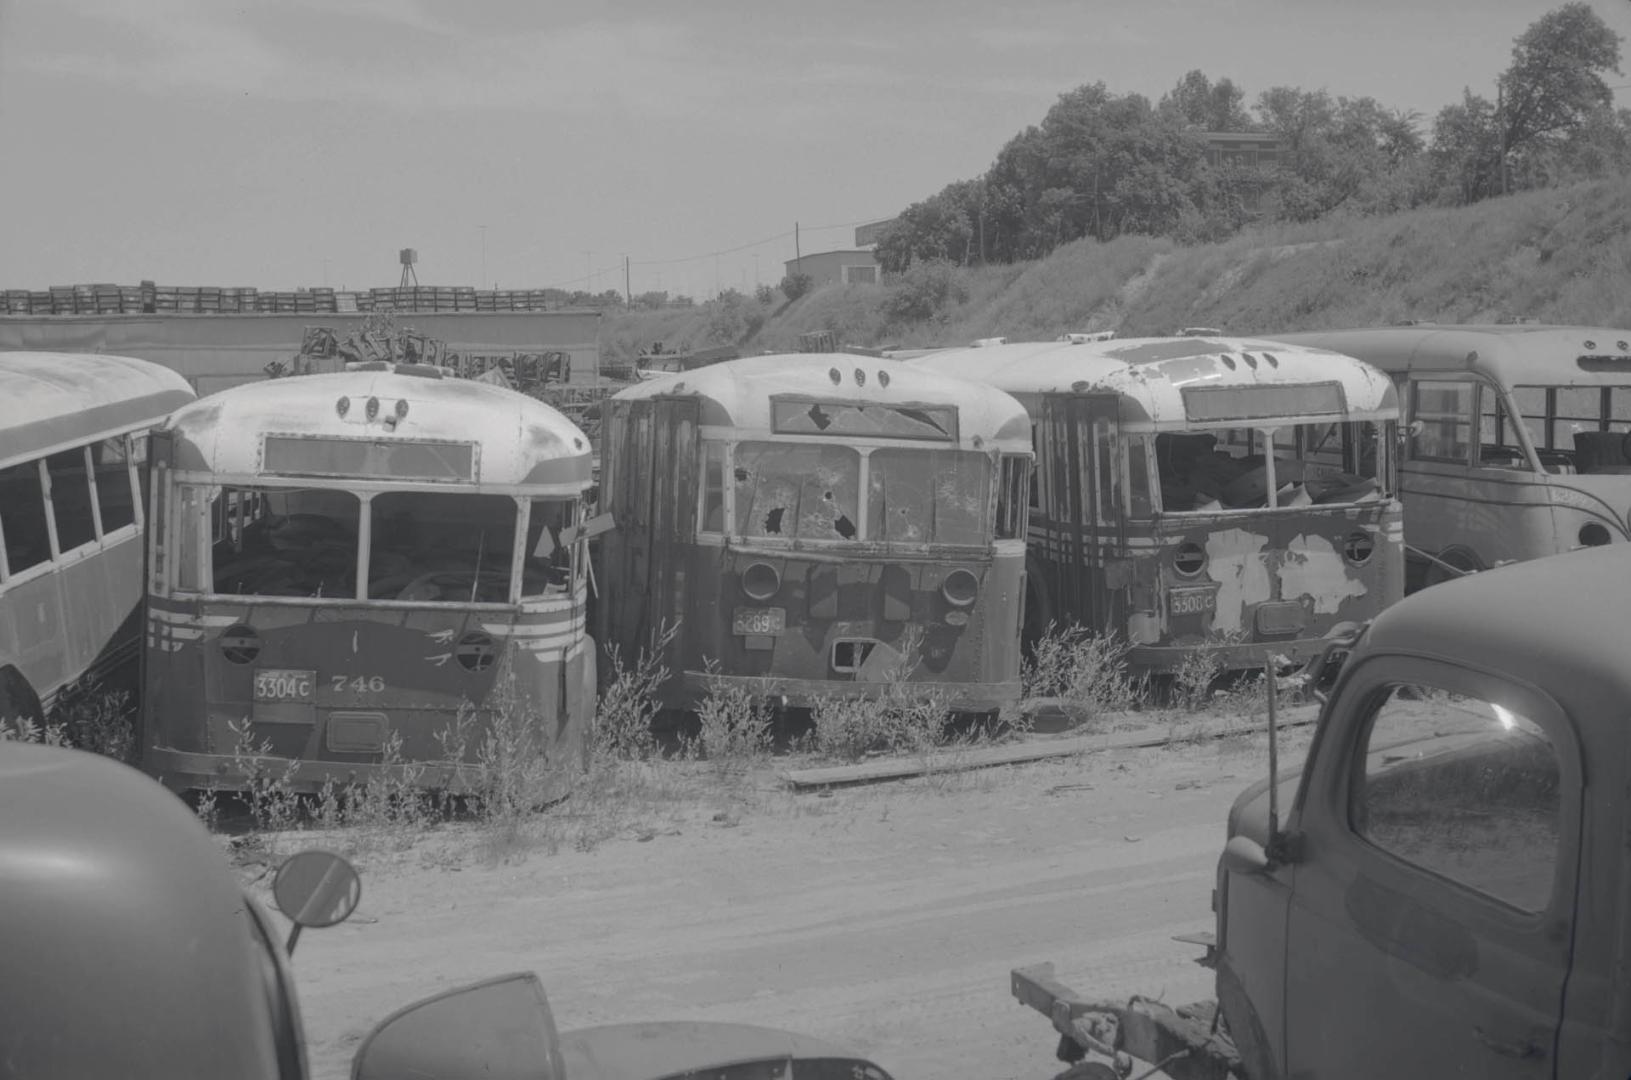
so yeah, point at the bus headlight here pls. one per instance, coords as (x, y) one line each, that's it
(761, 581)
(1594, 534)
(960, 588)
(240, 644)
(1189, 559)
(1359, 547)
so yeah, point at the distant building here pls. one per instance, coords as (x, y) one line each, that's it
(1249, 157)
(849, 267)
(869, 234)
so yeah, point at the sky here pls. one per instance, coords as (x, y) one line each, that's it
(529, 144)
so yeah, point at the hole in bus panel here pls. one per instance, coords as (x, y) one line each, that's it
(928, 496)
(441, 547)
(1225, 469)
(797, 490)
(273, 541)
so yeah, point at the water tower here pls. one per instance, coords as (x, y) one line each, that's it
(407, 257)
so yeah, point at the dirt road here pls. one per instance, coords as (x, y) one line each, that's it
(886, 918)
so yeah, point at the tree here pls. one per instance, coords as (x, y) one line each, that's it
(796, 285)
(1467, 149)
(1199, 103)
(1555, 81)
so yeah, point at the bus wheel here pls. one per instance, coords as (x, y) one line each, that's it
(1461, 560)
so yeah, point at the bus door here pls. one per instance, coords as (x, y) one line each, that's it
(655, 512)
(1086, 477)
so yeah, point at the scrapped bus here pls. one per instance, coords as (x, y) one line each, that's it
(73, 467)
(363, 572)
(815, 524)
(1519, 438)
(1202, 495)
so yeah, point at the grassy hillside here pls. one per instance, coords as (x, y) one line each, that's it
(1561, 255)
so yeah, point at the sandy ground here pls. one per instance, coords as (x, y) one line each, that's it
(886, 917)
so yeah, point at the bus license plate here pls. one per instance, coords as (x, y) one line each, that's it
(770, 620)
(1191, 601)
(279, 684)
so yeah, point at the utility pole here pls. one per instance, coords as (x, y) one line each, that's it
(483, 229)
(798, 254)
(1500, 122)
(628, 293)
(588, 272)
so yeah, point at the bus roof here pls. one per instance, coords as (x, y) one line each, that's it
(1156, 376)
(518, 440)
(1517, 354)
(49, 401)
(739, 393)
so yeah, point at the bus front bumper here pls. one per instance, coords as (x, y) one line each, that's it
(181, 770)
(965, 697)
(1236, 656)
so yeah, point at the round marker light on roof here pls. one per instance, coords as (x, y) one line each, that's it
(860, 377)
(401, 409)
(1622, 346)
(1228, 361)
(1274, 361)
(883, 376)
(1591, 344)
(373, 408)
(342, 406)
(833, 374)
(1251, 361)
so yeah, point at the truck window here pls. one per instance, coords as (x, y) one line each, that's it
(1465, 789)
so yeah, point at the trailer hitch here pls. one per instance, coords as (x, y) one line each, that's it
(1186, 1043)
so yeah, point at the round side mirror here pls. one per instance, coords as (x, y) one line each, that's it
(317, 889)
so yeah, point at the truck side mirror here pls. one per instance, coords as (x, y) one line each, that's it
(500, 1029)
(1243, 855)
(316, 889)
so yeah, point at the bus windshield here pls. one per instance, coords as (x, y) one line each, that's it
(1314, 465)
(928, 496)
(449, 547)
(797, 490)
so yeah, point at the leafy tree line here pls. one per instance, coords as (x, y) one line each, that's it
(1101, 164)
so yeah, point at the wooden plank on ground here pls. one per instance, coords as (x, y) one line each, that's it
(961, 760)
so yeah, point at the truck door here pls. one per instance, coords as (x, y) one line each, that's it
(1433, 905)
(1083, 436)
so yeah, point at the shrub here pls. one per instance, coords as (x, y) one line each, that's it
(1081, 668)
(924, 291)
(796, 285)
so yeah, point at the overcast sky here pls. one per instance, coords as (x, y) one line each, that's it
(278, 143)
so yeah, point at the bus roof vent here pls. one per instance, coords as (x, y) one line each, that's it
(987, 342)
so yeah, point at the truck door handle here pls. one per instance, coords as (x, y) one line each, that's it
(1516, 1048)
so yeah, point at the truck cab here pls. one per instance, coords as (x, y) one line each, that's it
(1448, 892)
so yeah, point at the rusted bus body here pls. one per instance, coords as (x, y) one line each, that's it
(360, 572)
(73, 466)
(817, 524)
(1520, 438)
(1202, 495)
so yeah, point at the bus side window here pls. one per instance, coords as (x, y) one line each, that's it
(713, 488)
(115, 495)
(1444, 411)
(71, 499)
(1011, 498)
(548, 568)
(1498, 446)
(22, 517)
(1138, 477)
(1109, 476)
